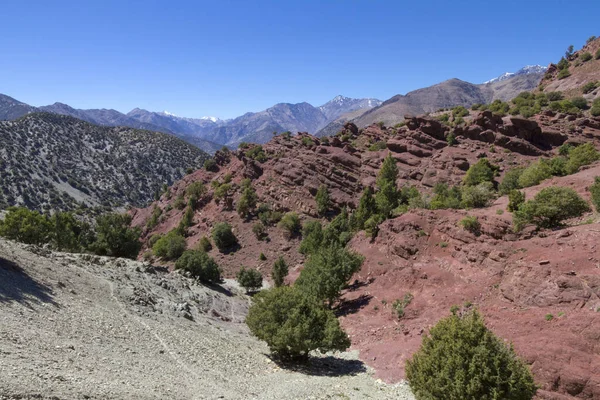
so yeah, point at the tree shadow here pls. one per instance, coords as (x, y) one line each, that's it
(218, 288)
(347, 307)
(231, 249)
(358, 284)
(17, 285)
(323, 366)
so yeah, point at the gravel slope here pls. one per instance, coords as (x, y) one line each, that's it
(85, 327)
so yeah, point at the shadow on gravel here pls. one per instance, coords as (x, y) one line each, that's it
(16, 285)
(218, 288)
(323, 366)
(347, 307)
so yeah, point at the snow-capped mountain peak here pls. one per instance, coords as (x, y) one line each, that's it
(169, 114)
(213, 119)
(526, 70)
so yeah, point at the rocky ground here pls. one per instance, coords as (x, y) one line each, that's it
(86, 327)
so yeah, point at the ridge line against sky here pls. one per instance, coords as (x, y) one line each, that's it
(227, 58)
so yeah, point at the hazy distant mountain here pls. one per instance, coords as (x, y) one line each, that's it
(341, 105)
(526, 70)
(102, 117)
(12, 109)
(450, 93)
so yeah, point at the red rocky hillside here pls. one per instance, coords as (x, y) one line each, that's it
(514, 279)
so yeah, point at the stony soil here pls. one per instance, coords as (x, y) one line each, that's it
(86, 327)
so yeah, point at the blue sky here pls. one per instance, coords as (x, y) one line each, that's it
(224, 58)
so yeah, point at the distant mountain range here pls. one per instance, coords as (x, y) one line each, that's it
(526, 70)
(210, 133)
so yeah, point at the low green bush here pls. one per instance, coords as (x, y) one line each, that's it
(290, 223)
(584, 154)
(482, 171)
(170, 246)
(461, 359)
(515, 199)
(223, 236)
(478, 196)
(199, 265)
(595, 192)
(550, 207)
(293, 324)
(534, 174)
(471, 224)
(249, 279)
(279, 272)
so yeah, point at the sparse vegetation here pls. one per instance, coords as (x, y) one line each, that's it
(280, 271)
(595, 192)
(400, 304)
(323, 200)
(461, 359)
(199, 265)
(223, 237)
(249, 279)
(515, 199)
(471, 224)
(550, 207)
(290, 223)
(482, 171)
(170, 246)
(204, 244)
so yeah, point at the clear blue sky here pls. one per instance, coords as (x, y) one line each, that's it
(224, 58)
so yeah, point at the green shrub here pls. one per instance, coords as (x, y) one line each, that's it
(372, 225)
(170, 247)
(587, 56)
(210, 165)
(557, 165)
(477, 196)
(589, 87)
(312, 237)
(563, 64)
(511, 180)
(323, 200)
(249, 279)
(195, 191)
(564, 73)
(595, 111)
(388, 173)
(461, 359)
(247, 201)
(26, 226)
(378, 146)
(580, 103)
(482, 171)
(471, 224)
(550, 207)
(499, 107)
(290, 223)
(262, 257)
(554, 96)
(400, 304)
(199, 265)
(279, 272)
(257, 153)
(204, 244)
(223, 237)
(515, 199)
(69, 234)
(327, 271)
(293, 324)
(451, 139)
(306, 141)
(595, 192)
(179, 202)
(584, 154)
(386, 199)
(154, 218)
(259, 230)
(534, 174)
(115, 237)
(366, 208)
(445, 197)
